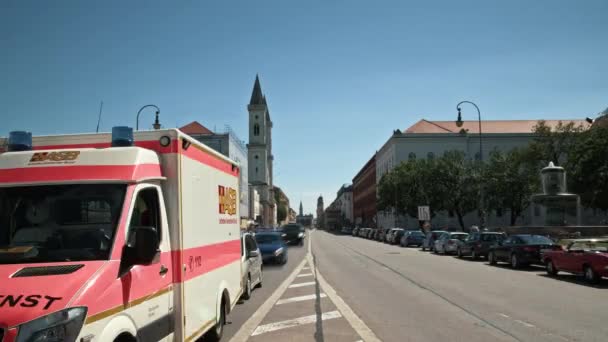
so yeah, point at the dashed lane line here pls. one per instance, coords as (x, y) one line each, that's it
(300, 298)
(251, 324)
(309, 283)
(304, 275)
(294, 322)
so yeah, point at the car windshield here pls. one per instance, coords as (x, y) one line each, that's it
(267, 238)
(460, 237)
(536, 240)
(491, 237)
(58, 222)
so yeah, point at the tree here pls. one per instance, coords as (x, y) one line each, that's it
(510, 180)
(456, 183)
(587, 168)
(281, 212)
(554, 144)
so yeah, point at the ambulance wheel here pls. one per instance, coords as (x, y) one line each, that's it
(247, 293)
(218, 330)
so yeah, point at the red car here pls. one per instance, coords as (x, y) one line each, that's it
(588, 257)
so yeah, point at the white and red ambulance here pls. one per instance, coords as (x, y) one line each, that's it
(116, 237)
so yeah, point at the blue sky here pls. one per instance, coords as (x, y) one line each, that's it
(339, 75)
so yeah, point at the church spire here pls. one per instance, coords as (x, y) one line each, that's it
(301, 209)
(257, 98)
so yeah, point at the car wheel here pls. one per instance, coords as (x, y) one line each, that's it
(551, 270)
(492, 258)
(590, 275)
(259, 285)
(474, 254)
(423, 249)
(459, 253)
(247, 293)
(284, 261)
(217, 332)
(515, 261)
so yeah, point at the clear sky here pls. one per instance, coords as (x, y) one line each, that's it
(339, 76)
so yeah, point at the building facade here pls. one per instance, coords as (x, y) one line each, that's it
(260, 154)
(364, 195)
(430, 139)
(345, 199)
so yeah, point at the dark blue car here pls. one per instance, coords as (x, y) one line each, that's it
(272, 246)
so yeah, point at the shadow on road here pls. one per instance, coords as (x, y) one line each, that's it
(578, 280)
(319, 336)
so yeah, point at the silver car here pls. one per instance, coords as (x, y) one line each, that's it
(251, 260)
(449, 242)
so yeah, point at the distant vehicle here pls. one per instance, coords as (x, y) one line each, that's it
(381, 234)
(251, 261)
(449, 242)
(369, 233)
(478, 244)
(587, 257)
(429, 240)
(396, 236)
(346, 230)
(521, 249)
(294, 234)
(355, 231)
(363, 232)
(412, 238)
(272, 246)
(388, 235)
(372, 235)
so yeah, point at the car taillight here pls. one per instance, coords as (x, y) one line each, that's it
(530, 249)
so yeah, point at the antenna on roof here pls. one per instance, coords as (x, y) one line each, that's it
(99, 117)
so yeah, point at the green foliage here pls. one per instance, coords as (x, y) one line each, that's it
(281, 212)
(510, 179)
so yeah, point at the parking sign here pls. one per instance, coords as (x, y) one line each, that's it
(424, 213)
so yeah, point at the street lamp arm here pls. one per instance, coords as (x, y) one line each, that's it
(139, 112)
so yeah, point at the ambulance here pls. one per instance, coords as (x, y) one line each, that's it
(116, 237)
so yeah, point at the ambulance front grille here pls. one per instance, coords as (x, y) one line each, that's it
(46, 270)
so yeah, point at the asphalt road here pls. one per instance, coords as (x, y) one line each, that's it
(404, 294)
(273, 276)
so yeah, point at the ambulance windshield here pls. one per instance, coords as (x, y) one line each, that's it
(58, 222)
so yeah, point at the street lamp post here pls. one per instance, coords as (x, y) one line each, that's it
(156, 124)
(481, 192)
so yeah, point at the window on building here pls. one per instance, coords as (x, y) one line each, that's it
(477, 156)
(412, 156)
(256, 129)
(430, 156)
(256, 169)
(256, 156)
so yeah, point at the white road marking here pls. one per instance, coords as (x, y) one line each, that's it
(300, 298)
(304, 275)
(310, 283)
(249, 326)
(305, 268)
(503, 315)
(525, 323)
(294, 322)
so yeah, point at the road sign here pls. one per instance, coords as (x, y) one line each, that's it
(424, 213)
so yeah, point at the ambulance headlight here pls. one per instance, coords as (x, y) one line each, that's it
(301, 235)
(278, 251)
(59, 326)
(122, 136)
(19, 141)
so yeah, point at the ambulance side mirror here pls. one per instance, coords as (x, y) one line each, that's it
(143, 246)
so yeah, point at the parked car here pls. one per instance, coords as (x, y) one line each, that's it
(396, 236)
(251, 265)
(412, 238)
(346, 230)
(429, 240)
(387, 236)
(449, 242)
(587, 257)
(272, 246)
(363, 232)
(371, 233)
(355, 231)
(521, 249)
(478, 244)
(381, 234)
(294, 234)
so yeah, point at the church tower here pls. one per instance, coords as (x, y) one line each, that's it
(260, 156)
(301, 209)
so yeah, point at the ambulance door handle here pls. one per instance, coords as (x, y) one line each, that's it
(163, 270)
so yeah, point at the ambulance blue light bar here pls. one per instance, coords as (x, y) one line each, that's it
(122, 136)
(19, 141)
